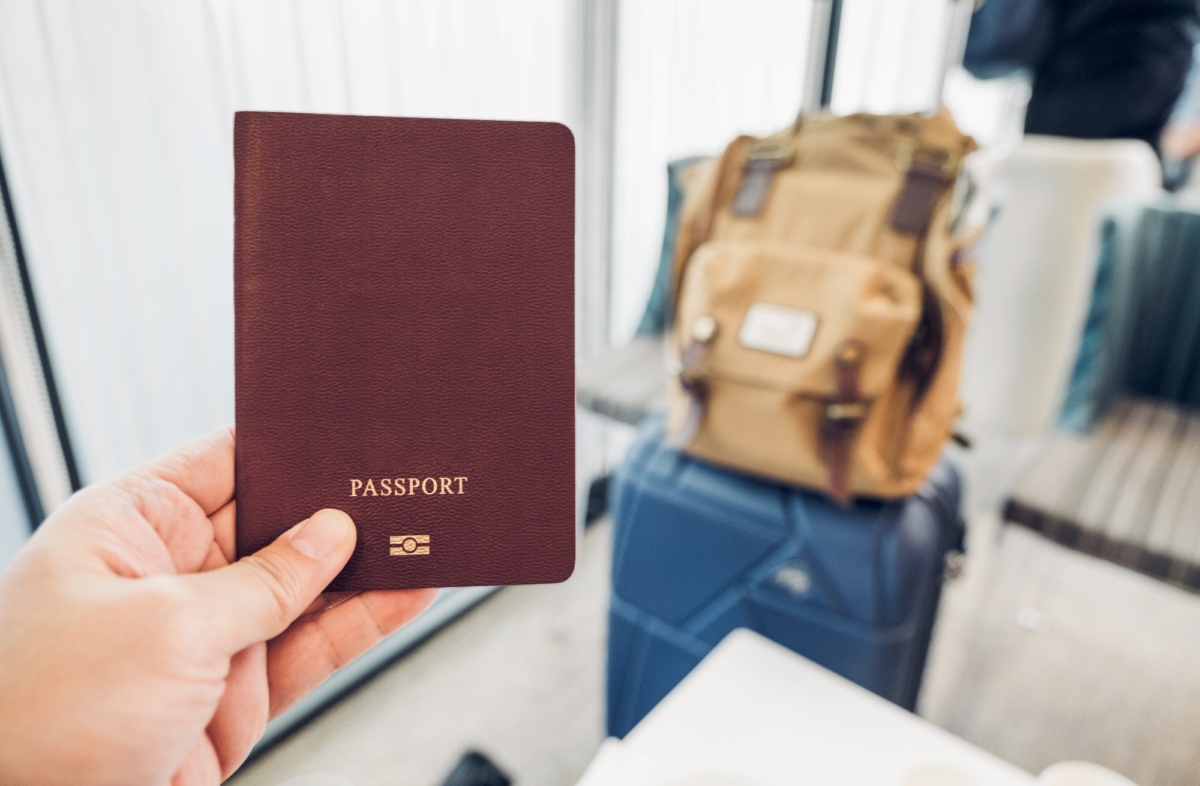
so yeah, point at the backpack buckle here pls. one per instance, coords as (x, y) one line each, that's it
(779, 152)
(846, 412)
(908, 154)
(763, 159)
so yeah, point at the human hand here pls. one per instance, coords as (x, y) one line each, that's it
(133, 652)
(1180, 141)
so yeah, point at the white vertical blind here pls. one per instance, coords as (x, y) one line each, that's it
(116, 122)
(890, 55)
(116, 127)
(692, 75)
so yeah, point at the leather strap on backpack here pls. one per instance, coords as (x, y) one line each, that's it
(695, 386)
(695, 229)
(763, 160)
(696, 223)
(927, 172)
(842, 417)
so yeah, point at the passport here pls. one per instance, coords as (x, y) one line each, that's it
(404, 342)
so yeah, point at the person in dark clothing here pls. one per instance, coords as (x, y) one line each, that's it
(1114, 69)
(1102, 69)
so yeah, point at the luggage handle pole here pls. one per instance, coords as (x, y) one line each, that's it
(821, 55)
(957, 27)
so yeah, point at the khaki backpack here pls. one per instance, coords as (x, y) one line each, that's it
(821, 304)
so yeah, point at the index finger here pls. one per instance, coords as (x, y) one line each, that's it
(202, 469)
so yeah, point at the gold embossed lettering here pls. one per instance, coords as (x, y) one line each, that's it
(407, 487)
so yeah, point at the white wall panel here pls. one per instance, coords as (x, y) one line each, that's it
(692, 75)
(116, 130)
(116, 124)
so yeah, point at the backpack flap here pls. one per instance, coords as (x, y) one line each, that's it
(819, 317)
(780, 311)
(819, 332)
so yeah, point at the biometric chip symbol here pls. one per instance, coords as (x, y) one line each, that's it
(408, 545)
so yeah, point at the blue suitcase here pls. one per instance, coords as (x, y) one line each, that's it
(699, 551)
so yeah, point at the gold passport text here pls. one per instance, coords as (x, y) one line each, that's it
(411, 487)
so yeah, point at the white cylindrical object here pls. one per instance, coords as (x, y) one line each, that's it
(1036, 271)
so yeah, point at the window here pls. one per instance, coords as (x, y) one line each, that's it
(116, 126)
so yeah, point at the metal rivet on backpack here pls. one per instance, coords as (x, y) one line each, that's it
(704, 329)
(850, 352)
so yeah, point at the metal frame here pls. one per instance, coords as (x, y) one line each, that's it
(821, 56)
(594, 99)
(833, 26)
(33, 421)
(30, 497)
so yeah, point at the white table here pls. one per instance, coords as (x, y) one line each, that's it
(756, 714)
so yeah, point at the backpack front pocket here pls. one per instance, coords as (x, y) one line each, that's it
(775, 315)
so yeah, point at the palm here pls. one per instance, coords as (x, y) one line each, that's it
(175, 701)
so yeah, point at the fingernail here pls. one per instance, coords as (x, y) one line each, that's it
(320, 536)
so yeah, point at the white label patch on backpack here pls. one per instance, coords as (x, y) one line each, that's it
(778, 329)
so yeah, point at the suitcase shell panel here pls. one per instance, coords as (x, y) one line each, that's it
(699, 550)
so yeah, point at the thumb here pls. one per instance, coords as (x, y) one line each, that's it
(257, 597)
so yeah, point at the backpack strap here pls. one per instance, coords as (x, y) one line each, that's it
(842, 417)
(700, 208)
(695, 386)
(927, 172)
(695, 341)
(763, 159)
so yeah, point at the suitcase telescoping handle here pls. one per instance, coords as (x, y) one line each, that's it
(823, 29)
(959, 25)
(824, 26)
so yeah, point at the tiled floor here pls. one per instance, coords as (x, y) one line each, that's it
(1040, 655)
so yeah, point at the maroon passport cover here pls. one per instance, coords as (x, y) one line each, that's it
(404, 306)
